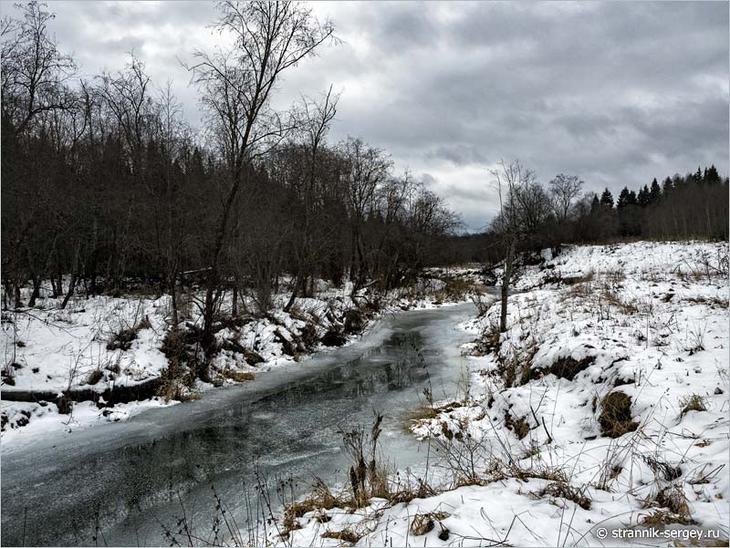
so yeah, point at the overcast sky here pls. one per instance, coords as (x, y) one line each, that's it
(617, 93)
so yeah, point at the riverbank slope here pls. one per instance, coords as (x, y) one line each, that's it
(604, 405)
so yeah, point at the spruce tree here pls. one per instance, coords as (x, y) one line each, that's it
(643, 198)
(656, 192)
(607, 198)
(712, 177)
(623, 198)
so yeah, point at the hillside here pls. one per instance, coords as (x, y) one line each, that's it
(604, 405)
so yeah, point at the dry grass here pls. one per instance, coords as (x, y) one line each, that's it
(346, 535)
(238, 376)
(660, 518)
(610, 297)
(615, 418)
(712, 302)
(424, 523)
(320, 499)
(428, 411)
(694, 402)
(563, 490)
(673, 499)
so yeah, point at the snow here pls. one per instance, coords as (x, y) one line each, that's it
(647, 319)
(51, 350)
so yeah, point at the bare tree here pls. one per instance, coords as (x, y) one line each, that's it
(33, 69)
(270, 37)
(315, 121)
(367, 168)
(512, 181)
(564, 189)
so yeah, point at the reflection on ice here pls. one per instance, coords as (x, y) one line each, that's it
(131, 477)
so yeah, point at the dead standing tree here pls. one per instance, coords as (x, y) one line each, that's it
(270, 37)
(512, 180)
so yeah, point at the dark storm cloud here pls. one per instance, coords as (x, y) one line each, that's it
(617, 93)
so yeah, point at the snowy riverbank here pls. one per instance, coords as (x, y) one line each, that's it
(604, 405)
(100, 347)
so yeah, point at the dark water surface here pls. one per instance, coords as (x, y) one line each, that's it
(124, 483)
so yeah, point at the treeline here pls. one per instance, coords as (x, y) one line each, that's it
(105, 185)
(693, 206)
(682, 207)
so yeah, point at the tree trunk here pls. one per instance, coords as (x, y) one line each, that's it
(506, 278)
(173, 296)
(74, 276)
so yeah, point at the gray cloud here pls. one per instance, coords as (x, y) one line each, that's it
(617, 93)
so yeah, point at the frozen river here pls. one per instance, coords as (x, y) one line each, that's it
(124, 483)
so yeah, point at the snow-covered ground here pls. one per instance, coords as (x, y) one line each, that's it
(102, 343)
(601, 413)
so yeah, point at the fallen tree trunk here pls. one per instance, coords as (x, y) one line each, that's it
(105, 398)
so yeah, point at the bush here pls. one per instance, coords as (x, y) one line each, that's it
(122, 340)
(354, 321)
(178, 377)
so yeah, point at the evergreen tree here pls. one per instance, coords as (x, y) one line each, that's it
(712, 177)
(623, 198)
(643, 198)
(631, 199)
(698, 175)
(607, 198)
(656, 192)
